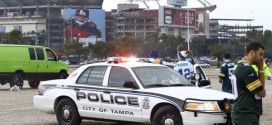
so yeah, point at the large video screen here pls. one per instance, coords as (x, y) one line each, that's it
(177, 17)
(84, 25)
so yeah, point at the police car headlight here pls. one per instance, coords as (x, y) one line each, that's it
(202, 106)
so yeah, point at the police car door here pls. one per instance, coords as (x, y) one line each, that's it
(121, 103)
(88, 91)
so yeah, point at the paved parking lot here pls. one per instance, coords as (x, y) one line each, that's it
(17, 106)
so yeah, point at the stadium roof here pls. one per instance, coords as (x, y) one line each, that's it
(210, 8)
(13, 4)
(131, 9)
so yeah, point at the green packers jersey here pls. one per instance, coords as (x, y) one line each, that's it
(248, 84)
(226, 70)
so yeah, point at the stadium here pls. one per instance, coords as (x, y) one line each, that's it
(40, 21)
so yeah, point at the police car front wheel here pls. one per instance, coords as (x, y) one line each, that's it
(167, 115)
(67, 113)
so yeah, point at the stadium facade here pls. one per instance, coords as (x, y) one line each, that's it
(224, 29)
(131, 20)
(37, 16)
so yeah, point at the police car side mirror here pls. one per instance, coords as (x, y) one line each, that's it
(204, 83)
(130, 84)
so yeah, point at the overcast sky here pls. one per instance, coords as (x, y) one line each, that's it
(259, 10)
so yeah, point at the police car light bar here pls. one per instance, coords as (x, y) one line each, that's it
(125, 59)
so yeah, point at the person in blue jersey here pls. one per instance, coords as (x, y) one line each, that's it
(226, 70)
(183, 66)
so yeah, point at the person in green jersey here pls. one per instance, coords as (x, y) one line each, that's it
(247, 107)
(226, 70)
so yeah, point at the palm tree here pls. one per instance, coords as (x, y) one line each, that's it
(15, 36)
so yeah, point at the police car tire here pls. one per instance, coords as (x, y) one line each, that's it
(73, 117)
(167, 112)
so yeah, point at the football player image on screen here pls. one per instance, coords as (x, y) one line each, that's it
(80, 26)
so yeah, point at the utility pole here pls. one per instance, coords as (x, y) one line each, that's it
(188, 29)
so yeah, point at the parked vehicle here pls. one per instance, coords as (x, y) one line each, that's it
(132, 92)
(32, 63)
(205, 61)
(203, 64)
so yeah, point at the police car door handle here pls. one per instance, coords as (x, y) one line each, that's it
(106, 92)
(76, 89)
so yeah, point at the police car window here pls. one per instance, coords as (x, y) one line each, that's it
(92, 76)
(161, 76)
(84, 76)
(118, 76)
(96, 75)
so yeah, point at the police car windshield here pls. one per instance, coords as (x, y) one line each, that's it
(151, 76)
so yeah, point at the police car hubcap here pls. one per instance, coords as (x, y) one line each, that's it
(168, 122)
(66, 113)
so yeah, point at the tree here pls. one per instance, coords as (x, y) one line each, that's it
(110, 49)
(267, 42)
(42, 37)
(218, 50)
(233, 42)
(153, 38)
(15, 37)
(266, 36)
(127, 45)
(167, 47)
(75, 48)
(254, 35)
(3, 37)
(98, 49)
(197, 44)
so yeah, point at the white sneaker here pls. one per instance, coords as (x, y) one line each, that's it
(15, 88)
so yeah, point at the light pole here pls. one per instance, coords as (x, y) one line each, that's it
(206, 23)
(188, 30)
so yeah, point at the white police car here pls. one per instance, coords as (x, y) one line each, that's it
(131, 92)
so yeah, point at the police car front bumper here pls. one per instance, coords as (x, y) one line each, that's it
(45, 104)
(192, 118)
